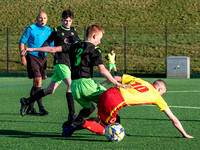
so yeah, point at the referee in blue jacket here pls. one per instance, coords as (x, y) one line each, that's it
(36, 62)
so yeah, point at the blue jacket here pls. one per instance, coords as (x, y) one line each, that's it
(35, 35)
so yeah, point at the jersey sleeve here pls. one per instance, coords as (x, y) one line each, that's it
(25, 36)
(162, 105)
(97, 57)
(75, 38)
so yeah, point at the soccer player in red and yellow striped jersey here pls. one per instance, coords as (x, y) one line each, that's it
(142, 92)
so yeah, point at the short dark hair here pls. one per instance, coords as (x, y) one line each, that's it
(160, 81)
(68, 13)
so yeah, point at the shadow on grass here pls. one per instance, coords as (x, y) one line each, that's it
(75, 137)
(12, 114)
(24, 134)
(55, 136)
(83, 138)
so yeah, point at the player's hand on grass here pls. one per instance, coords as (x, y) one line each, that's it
(188, 136)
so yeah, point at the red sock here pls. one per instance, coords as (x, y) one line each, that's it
(93, 126)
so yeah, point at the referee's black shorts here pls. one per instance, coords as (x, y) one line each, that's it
(36, 67)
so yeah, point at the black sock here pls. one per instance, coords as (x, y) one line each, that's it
(85, 112)
(36, 96)
(115, 72)
(70, 102)
(118, 119)
(31, 105)
(39, 101)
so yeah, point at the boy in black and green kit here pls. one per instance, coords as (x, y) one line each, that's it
(62, 35)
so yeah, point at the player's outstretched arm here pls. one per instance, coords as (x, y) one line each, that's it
(118, 78)
(177, 123)
(107, 74)
(45, 49)
(106, 82)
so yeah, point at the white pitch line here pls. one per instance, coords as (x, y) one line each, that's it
(186, 91)
(187, 107)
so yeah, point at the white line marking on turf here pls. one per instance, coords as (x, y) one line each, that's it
(186, 91)
(187, 107)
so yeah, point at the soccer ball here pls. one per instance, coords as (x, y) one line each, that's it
(114, 132)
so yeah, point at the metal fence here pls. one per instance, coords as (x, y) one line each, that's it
(139, 50)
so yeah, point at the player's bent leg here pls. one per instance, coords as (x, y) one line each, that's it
(68, 129)
(31, 110)
(51, 88)
(42, 110)
(70, 101)
(26, 101)
(90, 124)
(71, 108)
(37, 82)
(84, 113)
(79, 120)
(67, 132)
(93, 126)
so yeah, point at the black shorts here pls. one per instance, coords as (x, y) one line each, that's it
(36, 67)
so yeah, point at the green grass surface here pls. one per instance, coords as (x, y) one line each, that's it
(149, 128)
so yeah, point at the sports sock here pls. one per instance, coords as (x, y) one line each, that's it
(36, 96)
(80, 119)
(115, 72)
(39, 101)
(93, 126)
(31, 106)
(70, 102)
(118, 119)
(85, 112)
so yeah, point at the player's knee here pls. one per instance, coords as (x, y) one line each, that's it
(37, 82)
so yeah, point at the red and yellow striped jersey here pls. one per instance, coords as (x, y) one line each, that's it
(142, 93)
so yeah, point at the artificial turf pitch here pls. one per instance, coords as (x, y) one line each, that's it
(149, 128)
